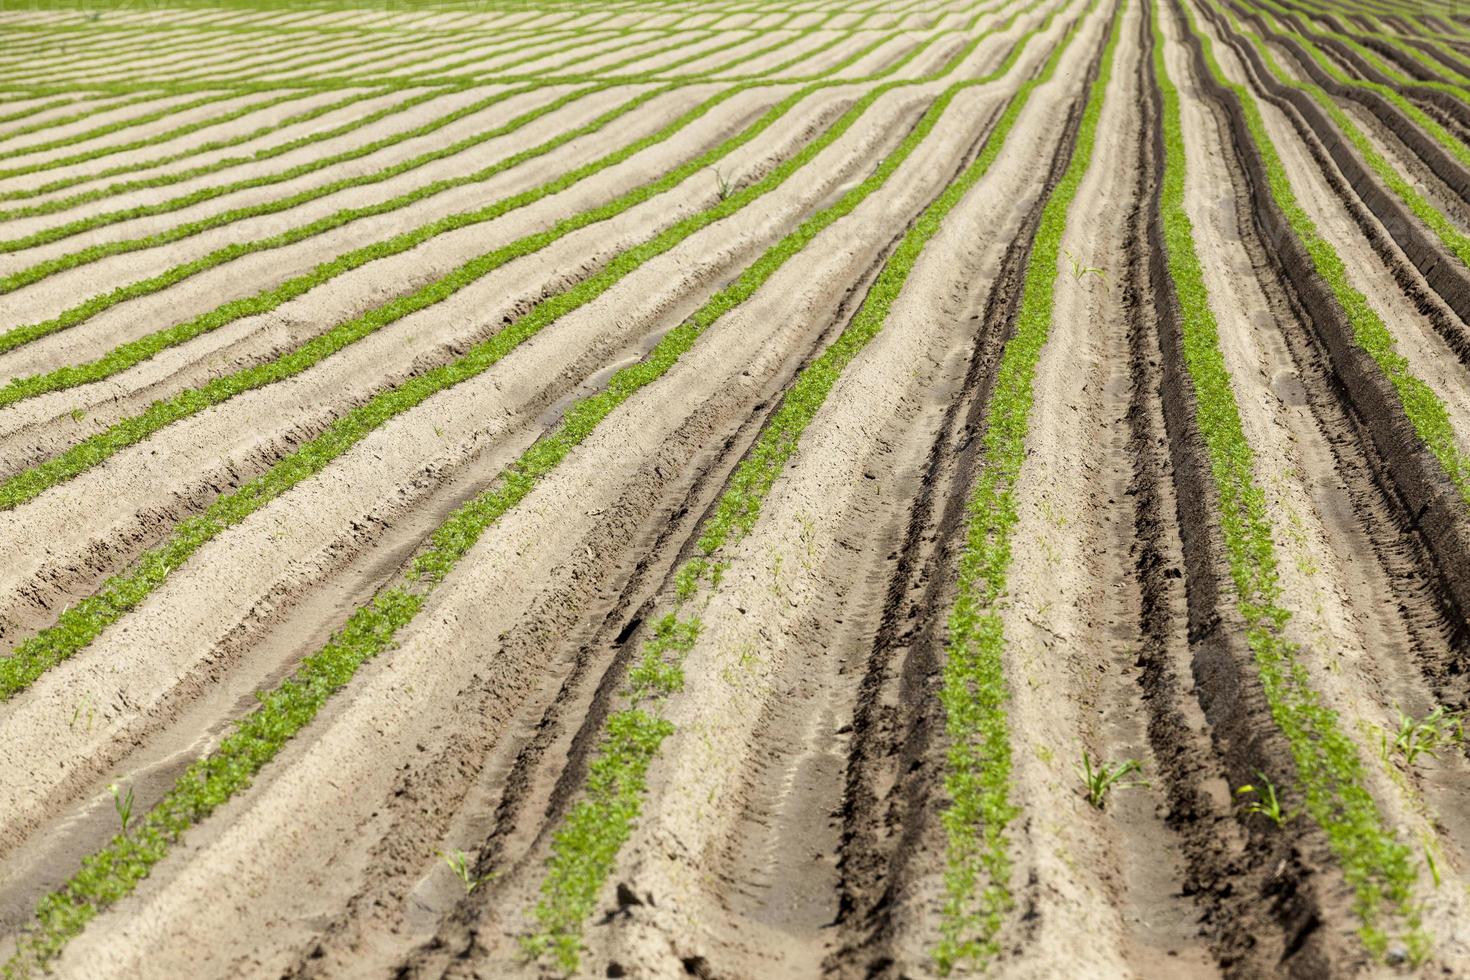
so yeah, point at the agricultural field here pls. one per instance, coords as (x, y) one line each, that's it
(743, 489)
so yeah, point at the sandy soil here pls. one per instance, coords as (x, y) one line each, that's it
(793, 821)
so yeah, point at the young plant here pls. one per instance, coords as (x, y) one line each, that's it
(724, 183)
(123, 804)
(1422, 736)
(808, 541)
(1079, 270)
(1103, 776)
(84, 705)
(1266, 803)
(459, 863)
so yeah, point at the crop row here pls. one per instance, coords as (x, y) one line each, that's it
(1329, 770)
(72, 260)
(585, 847)
(223, 143)
(318, 80)
(1429, 52)
(244, 58)
(1455, 241)
(378, 84)
(1424, 409)
(108, 106)
(38, 271)
(533, 43)
(114, 872)
(27, 484)
(977, 778)
(274, 151)
(80, 624)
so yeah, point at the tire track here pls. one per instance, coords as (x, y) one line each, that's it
(581, 354)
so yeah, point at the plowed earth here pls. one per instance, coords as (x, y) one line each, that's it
(653, 489)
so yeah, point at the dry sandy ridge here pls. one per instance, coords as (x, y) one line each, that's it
(798, 814)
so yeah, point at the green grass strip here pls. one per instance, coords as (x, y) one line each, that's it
(1377, 866)
(27, 484)
(164, 180)
(84, 621)
(109, 128)
(98, 152)
(41, 270)
(113, 872)
(1425, 410)
(1451, 143)
(1451, 237)
(34, 110)
(977, 779)
(152, 95)
(585, 848)
(35, 273)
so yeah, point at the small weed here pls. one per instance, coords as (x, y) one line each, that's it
(724, 183)
(84, 705)
(1266, 803)
(1104, 776)
(1053, 517)
(1422, 736)
(123, 804)
(459, 863)
(1329, 772)
(1080, 271)
(77, 414)
(808, 541)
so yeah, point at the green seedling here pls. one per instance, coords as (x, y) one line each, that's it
(84, 705)
(1102, 777)
(123, 804)
(1432, 865)
(615, 780)
(1079, 271)
(77, 415)
(459, 863)
(1422, 736)
(723, 183)
(1266, 803)
(808, 541)
(1330, 776)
